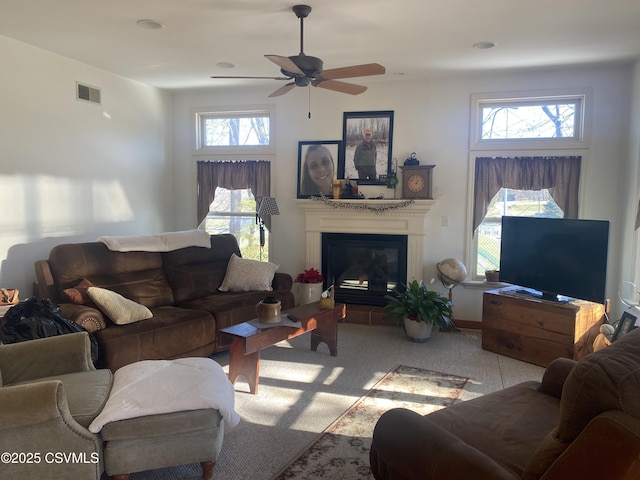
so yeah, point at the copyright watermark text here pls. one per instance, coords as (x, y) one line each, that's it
(25, 458)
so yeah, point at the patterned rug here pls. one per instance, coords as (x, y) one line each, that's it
(341, 452)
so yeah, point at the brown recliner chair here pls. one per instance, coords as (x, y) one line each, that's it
(582, 421)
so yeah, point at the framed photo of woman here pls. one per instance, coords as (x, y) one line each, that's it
(317, 167)
(624, 326)
(367, 139)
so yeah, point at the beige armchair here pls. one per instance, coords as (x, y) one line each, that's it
(49, 393)
(582, 421)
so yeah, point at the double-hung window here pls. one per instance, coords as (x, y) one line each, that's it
(236, 140)
(526, 157)
(234, 212)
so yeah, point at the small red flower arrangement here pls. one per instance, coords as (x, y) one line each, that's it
(309, 276)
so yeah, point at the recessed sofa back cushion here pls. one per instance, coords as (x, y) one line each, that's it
(134, 275)
(195, 272)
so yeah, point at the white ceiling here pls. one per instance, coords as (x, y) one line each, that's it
(411, 38)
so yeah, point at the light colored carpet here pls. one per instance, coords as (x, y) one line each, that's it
(342, 451)
(303, 392)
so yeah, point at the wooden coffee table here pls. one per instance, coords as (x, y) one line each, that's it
(248, 340)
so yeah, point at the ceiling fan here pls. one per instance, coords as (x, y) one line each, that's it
(305, 70)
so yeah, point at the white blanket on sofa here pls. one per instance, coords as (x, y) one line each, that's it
(162, 242)
(152, 387)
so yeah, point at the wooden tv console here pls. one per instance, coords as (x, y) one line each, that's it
(534, 330)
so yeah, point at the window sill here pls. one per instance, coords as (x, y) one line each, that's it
(483, 285)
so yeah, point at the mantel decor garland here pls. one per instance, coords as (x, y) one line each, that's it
(361, 207)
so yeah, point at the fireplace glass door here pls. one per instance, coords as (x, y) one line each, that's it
(363, 267)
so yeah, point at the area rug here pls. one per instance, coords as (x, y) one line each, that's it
(341, 452)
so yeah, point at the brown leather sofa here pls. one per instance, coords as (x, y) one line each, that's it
(180, 288)
(582, 421)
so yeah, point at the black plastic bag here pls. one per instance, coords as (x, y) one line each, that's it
(35, 318)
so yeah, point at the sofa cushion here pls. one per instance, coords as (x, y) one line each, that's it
(231, 308)
(86, 392)
(120, 310)
(608, 379)
(195, 272)
(524, 418)
(78, 294)
(171, 333)
(134, 275)
(244, 275)
(178, 423)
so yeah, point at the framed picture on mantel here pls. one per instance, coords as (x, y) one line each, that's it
(317, 167)
(367, 139)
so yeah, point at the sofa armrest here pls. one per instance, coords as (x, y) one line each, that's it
(45, 357)
(409, 446)
(35, 421)
(44, 286)
(89, 318)
(555, 376)
(282, 281)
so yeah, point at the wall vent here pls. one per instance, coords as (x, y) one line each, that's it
(87, 93)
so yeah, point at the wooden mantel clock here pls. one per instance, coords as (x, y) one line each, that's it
(417, 181)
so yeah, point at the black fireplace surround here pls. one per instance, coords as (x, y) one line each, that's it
(363, 267)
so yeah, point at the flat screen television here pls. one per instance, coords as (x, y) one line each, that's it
(555, 257)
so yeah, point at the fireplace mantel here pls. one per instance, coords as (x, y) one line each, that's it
(408, 220)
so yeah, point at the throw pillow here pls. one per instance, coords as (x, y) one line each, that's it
(78, 294)
(244, 275)
(120, 310)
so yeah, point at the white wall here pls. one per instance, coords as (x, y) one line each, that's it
(72, 171)
(630, 266)
(432, 119)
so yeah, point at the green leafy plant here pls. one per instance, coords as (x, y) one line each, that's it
(420, 304)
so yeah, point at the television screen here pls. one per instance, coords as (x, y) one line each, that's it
(556, 256)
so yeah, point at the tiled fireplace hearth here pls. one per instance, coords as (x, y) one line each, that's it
(353, 217)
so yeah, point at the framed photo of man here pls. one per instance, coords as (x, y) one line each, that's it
(318, 167)
(367, 141)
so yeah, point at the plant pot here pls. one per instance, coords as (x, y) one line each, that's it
(417, 331)
(492, 276)
(310, 292)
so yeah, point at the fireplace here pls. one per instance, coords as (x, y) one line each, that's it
(377, 218)
(363, 268)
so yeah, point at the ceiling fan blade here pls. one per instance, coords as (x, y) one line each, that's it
(342, 87)
(353, 71)
(283, 90)
(252, 78)
(285, 63)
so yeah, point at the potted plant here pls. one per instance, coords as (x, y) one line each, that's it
(310, 285)
(421, 309)
(492, 276)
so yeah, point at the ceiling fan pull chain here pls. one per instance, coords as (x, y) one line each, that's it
(309, 87)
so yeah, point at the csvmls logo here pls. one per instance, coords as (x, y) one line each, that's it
(71, 457)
